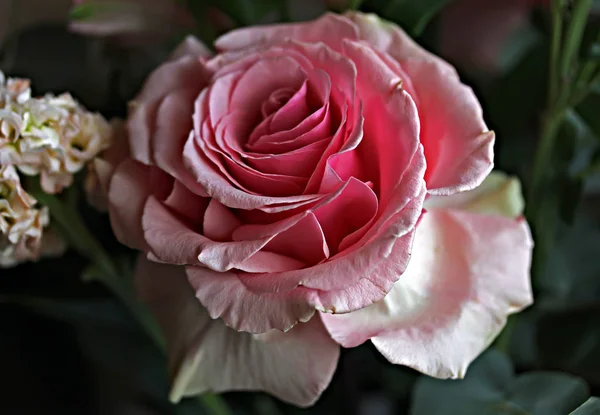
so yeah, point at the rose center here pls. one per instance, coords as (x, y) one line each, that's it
(276, 100)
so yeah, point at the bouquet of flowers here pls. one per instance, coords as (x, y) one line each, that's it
(280, 191)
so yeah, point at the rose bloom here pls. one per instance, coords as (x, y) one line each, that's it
(311, 186)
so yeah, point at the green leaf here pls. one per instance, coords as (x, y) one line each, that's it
(571, 194)
(590, 407)
(547, 393)
(588, 110)
(572, 265)
(569, 340)
(491, 388)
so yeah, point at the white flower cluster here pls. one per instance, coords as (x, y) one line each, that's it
(52, 136)
(21, 223)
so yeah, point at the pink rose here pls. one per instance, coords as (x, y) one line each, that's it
(276, 188)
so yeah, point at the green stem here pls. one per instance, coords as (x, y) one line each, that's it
(561, 89)
(557, 29)
(582, 91)
(574, 36)
(74, 229)
(543, 157)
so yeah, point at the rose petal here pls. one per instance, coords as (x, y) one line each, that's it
(295, 366)
(187, 204)
(191, 46)
(182, 75)
(458, 145)
(304, 241)
(391, 121)
(467, 273)
(219, 187)
(106, 165)
(499, 194)
(355, 264)
(171, 241)
(277, 300)
(225, 296)
(329, 28)
(355, 207)
(128, 190)
(219, 222)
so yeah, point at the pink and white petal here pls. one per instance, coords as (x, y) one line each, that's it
(129, 189)
(225, 296)
(458, 145)
(295, 366)
(468, 272)
(330, 28)
(499, 194)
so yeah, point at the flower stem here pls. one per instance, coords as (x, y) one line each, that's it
(574, 35)
(557, 29)
(562, 87)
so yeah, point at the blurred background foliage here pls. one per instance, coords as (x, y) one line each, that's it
(69, 347)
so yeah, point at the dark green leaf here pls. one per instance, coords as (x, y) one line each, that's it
(571, 192)
(570, 341)
(547, 393)
(572, 265)
(588, 110)
(491, 388)
(589, 43)
(591, 407)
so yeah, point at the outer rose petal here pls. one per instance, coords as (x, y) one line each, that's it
(330, 28)
(106, 165)
(295, 366)
(467, 273)
(459, 148)
(191, 47)
(458, 145)
(499, 195)
(160, 120)
(128, 190)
